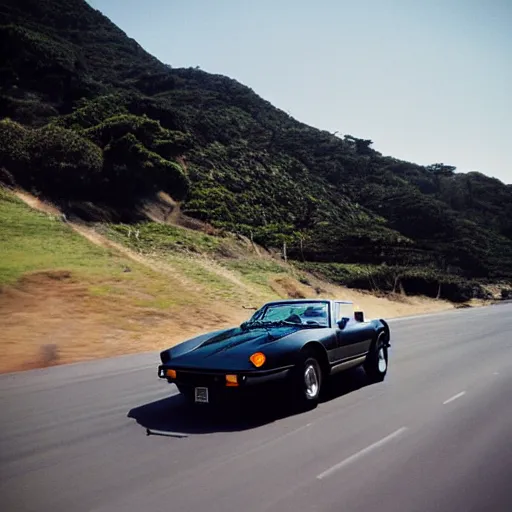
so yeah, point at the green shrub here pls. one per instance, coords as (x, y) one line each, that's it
(175, 144)
(13, 151)
(143, 128)
(132, 169)
(62, 163)
(50, 159)
(90, 113)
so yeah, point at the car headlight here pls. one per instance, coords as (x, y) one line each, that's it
(258, 359)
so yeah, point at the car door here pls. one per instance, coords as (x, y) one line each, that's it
(353, 338)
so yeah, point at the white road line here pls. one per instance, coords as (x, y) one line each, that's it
(458, 395)
(358, 455)
(496, 373)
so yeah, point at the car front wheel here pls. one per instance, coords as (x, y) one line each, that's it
(376, 364)
(308, 382)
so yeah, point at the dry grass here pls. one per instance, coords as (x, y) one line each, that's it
(289, 287)
(86, 322)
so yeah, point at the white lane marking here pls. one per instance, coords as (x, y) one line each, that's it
(496, 373)
(458, 395)
(359, 454)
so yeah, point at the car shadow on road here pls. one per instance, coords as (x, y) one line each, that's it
(174, 416)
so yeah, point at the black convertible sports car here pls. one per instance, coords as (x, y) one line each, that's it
(294, 342)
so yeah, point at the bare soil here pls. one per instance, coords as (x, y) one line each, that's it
(51, 318)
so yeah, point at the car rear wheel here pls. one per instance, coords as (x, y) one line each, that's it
(376, 364)
(308, 381)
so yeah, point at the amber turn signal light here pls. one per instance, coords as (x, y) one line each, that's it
(231, 380)
(257, 359)
(171, 374)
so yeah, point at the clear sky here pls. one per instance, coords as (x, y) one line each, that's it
(427, 80)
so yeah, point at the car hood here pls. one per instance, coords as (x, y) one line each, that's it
(233, 343)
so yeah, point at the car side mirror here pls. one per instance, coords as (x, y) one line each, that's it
(342, 323)
(359, 316)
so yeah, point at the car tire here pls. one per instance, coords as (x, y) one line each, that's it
(308, 382)
(377, 361)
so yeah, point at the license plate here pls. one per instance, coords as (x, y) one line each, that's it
(201, 395)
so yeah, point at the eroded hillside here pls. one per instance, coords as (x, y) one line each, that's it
(72, 292)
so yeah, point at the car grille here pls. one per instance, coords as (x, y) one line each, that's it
(199, 379)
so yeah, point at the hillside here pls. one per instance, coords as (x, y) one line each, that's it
(99, 126)
(72, 292)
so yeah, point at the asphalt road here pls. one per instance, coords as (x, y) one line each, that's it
(435, 436)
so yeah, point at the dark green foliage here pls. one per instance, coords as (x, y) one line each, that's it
(132, 170)
(235, 160)
(168, 143)
(13, 150)
(53, 160)
(145, 129)
(89, 113)
(64, 165)
(28, 111)
(62, 162)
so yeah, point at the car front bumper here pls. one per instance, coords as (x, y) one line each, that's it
(215, 381)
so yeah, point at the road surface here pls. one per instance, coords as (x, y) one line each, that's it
(435, 436)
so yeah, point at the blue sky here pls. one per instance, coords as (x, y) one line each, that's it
(428, 81)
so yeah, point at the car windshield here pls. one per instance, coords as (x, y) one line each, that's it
(309, 314)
